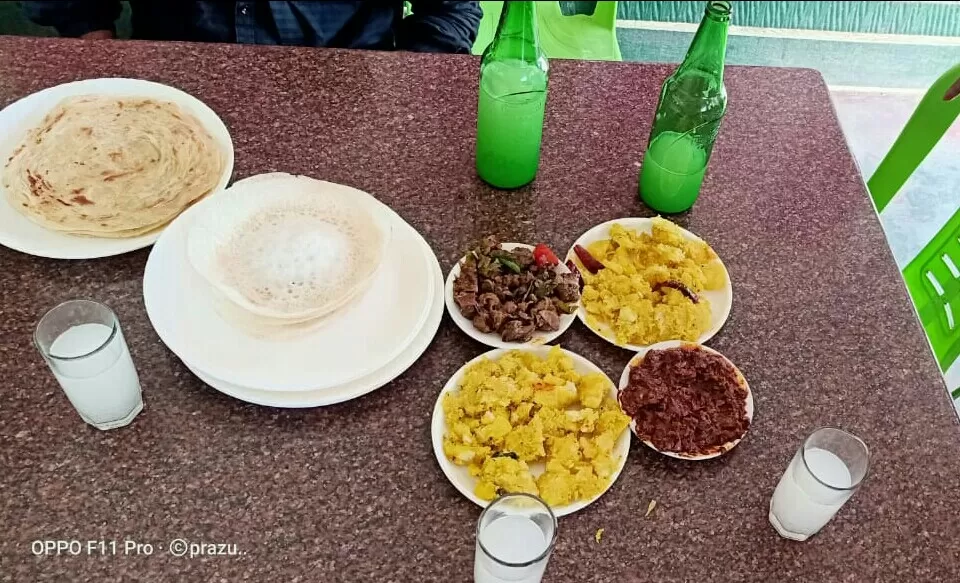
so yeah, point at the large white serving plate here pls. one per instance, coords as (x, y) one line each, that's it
(20, 233)
(350, 344)
(460, 477)
(354, 389)
(721, 300)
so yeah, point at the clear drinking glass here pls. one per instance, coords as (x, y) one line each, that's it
(826, 471)
(515, 536)
(82, 343)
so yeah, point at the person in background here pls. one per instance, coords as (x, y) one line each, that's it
(434, 26)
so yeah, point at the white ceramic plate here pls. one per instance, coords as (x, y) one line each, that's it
(493, 339)
(350, 344)
(357, 388)
(625, 378)
(20, 233)
(720, 300)
(460, 477)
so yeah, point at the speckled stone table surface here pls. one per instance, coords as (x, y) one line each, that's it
(821, 327)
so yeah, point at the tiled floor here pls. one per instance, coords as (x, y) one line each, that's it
(842, 59)
(872, 122)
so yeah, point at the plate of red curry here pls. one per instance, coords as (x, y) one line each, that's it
(685, 400)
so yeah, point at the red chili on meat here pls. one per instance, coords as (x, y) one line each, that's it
(544, 256)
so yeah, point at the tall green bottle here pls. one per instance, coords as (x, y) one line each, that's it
(513, 96)
(691, 107)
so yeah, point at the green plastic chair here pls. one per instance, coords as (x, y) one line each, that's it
(488, 26)
(578, 36)
(933, 277)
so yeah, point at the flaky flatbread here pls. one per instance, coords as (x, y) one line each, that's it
(108, 166)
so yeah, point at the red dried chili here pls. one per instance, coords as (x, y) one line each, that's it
(680, 287)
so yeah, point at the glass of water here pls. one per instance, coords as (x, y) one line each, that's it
(826, 471)
(82, 343)
(515, 536)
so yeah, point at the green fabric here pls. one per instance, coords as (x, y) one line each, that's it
(571, 8)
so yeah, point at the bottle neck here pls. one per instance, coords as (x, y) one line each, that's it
(517, 36)
(709, 47)
(518, 19)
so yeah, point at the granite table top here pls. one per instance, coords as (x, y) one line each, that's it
(821, 327)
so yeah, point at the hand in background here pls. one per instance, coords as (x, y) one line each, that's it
(98, 35)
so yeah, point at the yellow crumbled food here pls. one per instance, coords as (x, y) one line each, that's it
(592, 389)
(527, 441)
(557, 487)
(504, 473)
(562, 485)
(612, 421)
(464, 455)
(622, 298)
(599, 535)
(524, 409)
(564, 451)
(588, 483)
(604, 465)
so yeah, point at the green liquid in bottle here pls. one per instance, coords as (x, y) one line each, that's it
(693, 101)
(673, 169)
(513, 97)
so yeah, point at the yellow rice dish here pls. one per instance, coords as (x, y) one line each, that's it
(522, 410)
(628, 301)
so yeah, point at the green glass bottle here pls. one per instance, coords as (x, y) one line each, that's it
(691, 107)
(513, 97)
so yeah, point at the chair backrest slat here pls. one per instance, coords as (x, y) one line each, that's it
(938, 109)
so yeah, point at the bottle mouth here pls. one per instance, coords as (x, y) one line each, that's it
(719, 8)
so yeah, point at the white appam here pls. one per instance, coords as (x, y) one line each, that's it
(288, 247)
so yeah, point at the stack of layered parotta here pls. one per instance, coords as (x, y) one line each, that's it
(105, 166)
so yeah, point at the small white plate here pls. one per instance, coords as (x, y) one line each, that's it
(20, 233)
(720, 300)
(354, 389)
(459, 475)
(493, 339)
(625, 378)
(349, 345)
